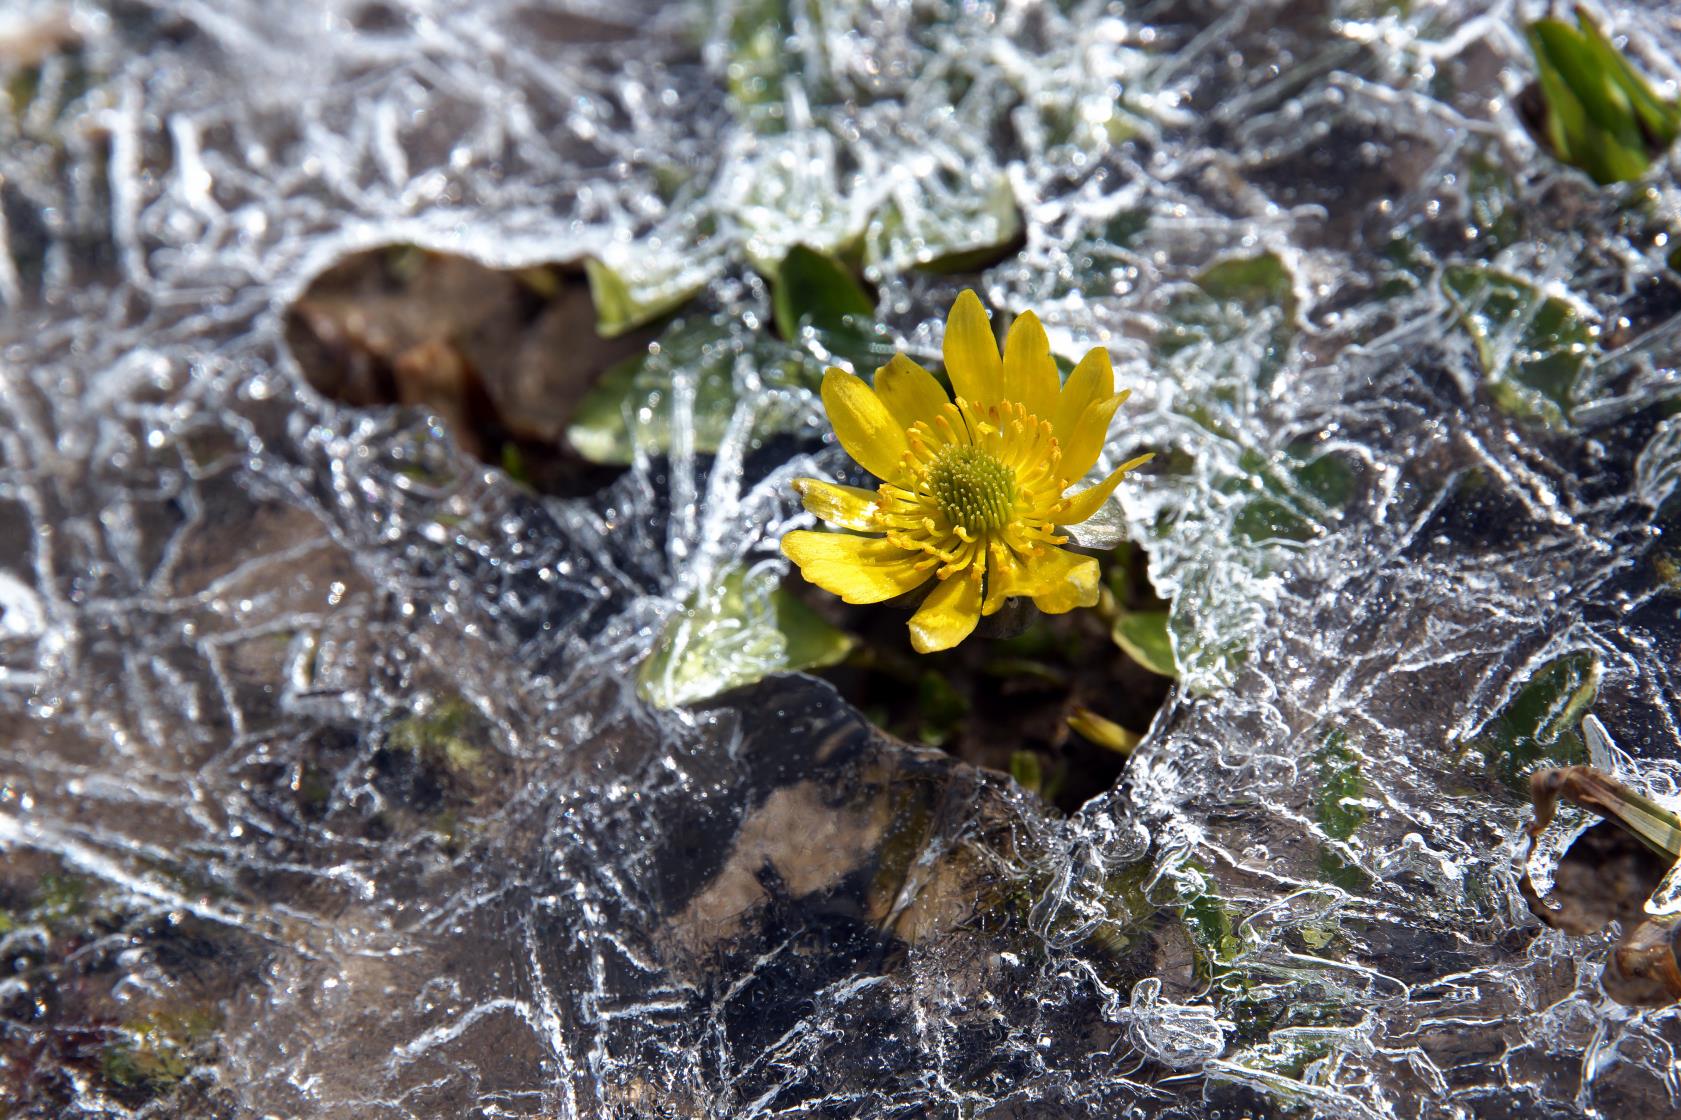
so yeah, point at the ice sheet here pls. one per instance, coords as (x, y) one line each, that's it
(326, 791)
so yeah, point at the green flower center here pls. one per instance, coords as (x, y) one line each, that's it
(974, 490)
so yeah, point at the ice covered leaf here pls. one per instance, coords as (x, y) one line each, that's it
(625, 300)
(794, 191)
(1144, 637)
(1247, 297)
(692, 379)
(954, 224)
(1532, 347)
(1255, 282)
(1537, 726)
(441, 736)
(814, 289)
(1339, 803)
(758, 62)
(738, 629)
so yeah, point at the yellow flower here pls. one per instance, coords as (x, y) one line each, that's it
(972, 492)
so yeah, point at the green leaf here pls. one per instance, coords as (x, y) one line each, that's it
(1537, 727)
(1659, 120)
(758, 68)
(1600, 114)
(1025, 769)
(738, 629)
(812, 642)
(634, 405)
(1143, 636)
(1532, 347)
(1259, 281)
(1570, 56)
(940, 709)
(1337, 805)
(514, 464)
(623, 303)
(813, 288)
(951, 232)
(599, 431)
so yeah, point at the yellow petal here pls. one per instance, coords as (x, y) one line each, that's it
(909, 392)
(858, 569)
(1059, 581)
(1092, 380)
(1087, 502)
(949, 614)
(1080, 453)
(863, 425)
(847, 506)
(1029, 370)
(971, 353)
(1003, 575)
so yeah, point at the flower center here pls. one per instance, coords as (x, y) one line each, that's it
(974, 490)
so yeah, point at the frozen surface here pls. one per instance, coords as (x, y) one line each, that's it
(324, 787)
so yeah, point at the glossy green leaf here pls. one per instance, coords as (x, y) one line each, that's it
(815, 289)
(1143, 636)
(1659, 120)
(1599, 114)
(812, 641)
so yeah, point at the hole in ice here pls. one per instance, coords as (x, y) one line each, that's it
(1010, 698)
(503, 357)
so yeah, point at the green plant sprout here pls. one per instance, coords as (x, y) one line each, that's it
(1594, 110)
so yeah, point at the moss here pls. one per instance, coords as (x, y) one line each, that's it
(1337, 805)
(437, 737)
(58, 898)
(1210, 925)
(155, 1053)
